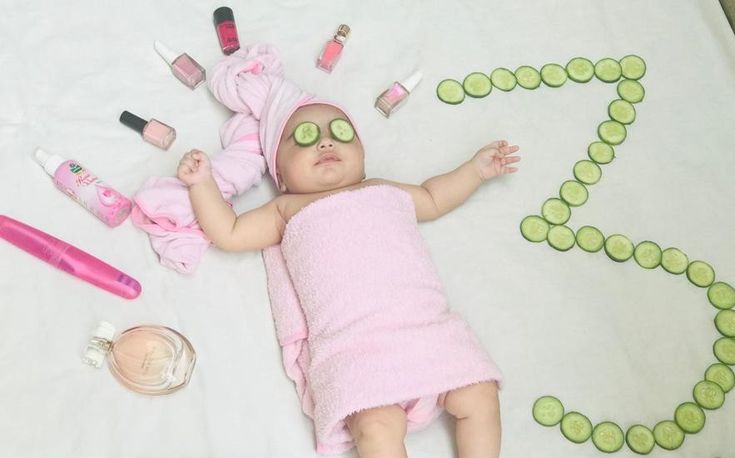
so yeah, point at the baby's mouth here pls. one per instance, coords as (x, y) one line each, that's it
(328, 157)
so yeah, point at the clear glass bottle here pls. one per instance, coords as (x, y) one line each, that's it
(332, 50)
(147, 359)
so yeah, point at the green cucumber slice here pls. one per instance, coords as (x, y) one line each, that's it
(621, 111)
(611, 132)
(534, 228)
(647, 254)
(668, 435)
(477, 85)
(618, 247)
(700, 273)
(601, 152)
(633, 67)
(555, 211)
(640, 439)
(306, 134)
(722, 375)
(690, 417)
(590, 239)
(573, 193)
(576, 427)
(342, 130)
(721, 295)
(528, 77)
(560, 238)
(580, 70)
(548, 411)
(587, 172)
(450, 91)
(631, 90)
(503, 79)
(724, 349)
(553, 75)
(709, 395)
(608, 437)
(608, 70)
(674, 261)
(725, 322)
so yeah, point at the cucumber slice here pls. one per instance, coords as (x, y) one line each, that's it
(647, 254)
(573, 193)
(709, 395)
(553, 75)
(528, 77)
(561, 238)
(580, 70)
(725, 322)
(607, 437)
(690, 417)
(576, 427)
(721, 375)
(450, 91)
(611, 132)
(724, 349)
(700, 273)
(631, 90)
(601, 152)
(608, 70)
(342, 130)
(503, 79)
(721, 295)
(633, 67)
(621, 111)
(587, 172)
(674, 261)
(618, 247)
(590, 239)
(548, 411)
(555, 211)
(306, 134)
(534, 228)
(640, 439)
(668, 435)
(477, 85)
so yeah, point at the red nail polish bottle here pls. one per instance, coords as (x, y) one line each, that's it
(224, 21)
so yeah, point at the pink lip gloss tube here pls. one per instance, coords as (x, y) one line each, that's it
(68, 258)
(184, 68)
(224, 22)
(333, 49)
(393, 97)
(154, 131)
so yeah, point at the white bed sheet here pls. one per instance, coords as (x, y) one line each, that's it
(612, 341)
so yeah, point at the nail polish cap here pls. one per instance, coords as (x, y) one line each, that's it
(343, 31)
(222, 14)
(132, 121)
(412, 81)
(49, 162)
(165, 52)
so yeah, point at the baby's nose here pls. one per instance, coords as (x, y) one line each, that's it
(326, 143)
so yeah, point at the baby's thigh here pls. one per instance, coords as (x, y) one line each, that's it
(379, 421)
(472, 399)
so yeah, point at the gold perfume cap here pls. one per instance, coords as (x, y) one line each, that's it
(342, 32)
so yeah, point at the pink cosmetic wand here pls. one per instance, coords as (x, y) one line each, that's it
(68, 258)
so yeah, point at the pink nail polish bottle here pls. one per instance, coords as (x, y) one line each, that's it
(393, 97)
(333, 49)
(224, 21)
(184, 68)
(154, 132)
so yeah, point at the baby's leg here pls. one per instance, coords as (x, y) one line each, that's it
(477, 410)
(379, 432)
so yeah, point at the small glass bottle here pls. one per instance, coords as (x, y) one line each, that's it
(392, 98)
(154, 131)
(183, 66)
(224, 22)
(147, 359)
(333, 49)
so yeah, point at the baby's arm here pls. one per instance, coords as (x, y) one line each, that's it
(252, 230)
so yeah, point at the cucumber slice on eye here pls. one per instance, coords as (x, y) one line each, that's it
(647, 254)
(601, 152)
(725, 322)
(611, 132)
(724, 349)
(580, 70)
(668, 435)
(608, 70)
(528, 77)
(590, 239)
(674, 261)
(709, 395)
(576, 427)
(721, 375)
(306, 134)
(690, 417)
(553, 75)
(621, 111)
(608, 437)
(534, 228)
(631, 90)
(587, 172)
(477, 85)
(548, 411)
(721, 295)
(342, 130)
(633, 67)
(503, 79)
(450, 91)
(560, 238)
(640, 439)
(573, 193)
(618, 247)
(555, 211)
(700, 273)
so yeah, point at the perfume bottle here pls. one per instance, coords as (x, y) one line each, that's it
(154, 131)
(146, 359)
(393, 97)
(333, 49)
(184, 68)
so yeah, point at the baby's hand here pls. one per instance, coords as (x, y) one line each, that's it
(492, 159)
(194, 168)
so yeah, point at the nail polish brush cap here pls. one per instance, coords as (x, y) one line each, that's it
(132, 121)
(165, 52)
(412, 81)
(49, 162)
(223, 14)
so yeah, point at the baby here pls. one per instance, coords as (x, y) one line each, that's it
(312, 164)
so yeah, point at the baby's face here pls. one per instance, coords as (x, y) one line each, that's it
(328, 164)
